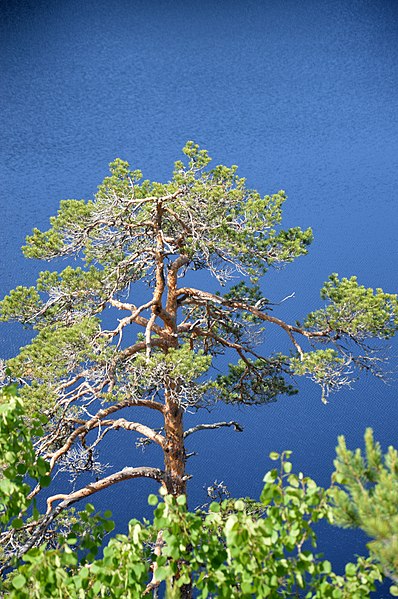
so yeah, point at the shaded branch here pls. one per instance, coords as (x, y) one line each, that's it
(200, 332)
(205, 296)
(161, 199)
(140, 346)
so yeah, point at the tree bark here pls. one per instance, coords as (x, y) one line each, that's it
(174, 453)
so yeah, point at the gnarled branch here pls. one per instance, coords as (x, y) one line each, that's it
(94, 423)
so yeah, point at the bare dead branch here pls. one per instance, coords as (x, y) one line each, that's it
(104, 483)
(215, 425)
(154, 584)
(148, 332)
(134, 317)
(137, 427)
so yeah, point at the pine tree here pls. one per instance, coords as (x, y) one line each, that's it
(139, 245)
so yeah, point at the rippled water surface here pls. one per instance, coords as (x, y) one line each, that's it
(301, 95)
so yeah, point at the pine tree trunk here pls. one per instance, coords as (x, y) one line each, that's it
(175, 459)
(175, 451)
(174, 455)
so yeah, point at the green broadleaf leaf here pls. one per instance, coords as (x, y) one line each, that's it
(18, 581)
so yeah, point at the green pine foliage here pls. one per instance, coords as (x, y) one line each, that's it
(355, 310)
(367, 498)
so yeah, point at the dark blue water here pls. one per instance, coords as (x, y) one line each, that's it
(301, 95)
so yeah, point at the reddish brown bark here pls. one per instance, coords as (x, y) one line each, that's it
(174, 452)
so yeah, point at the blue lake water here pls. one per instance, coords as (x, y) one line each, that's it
(301, 95)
